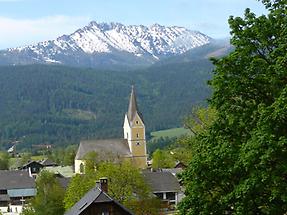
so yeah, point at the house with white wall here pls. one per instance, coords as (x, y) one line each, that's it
(16, 188)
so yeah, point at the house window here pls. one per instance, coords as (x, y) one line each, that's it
(159, 195)
(3, 191)
(170, 196)
(138, 143)
(138, 135)
(137, 122)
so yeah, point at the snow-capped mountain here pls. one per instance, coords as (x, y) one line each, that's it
(100, 44)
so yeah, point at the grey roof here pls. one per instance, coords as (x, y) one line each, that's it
(95, 195)
(115, 147)
(16, 179)
(161, 181)
(48, 162)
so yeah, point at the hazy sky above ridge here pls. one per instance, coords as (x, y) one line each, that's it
(24, 22)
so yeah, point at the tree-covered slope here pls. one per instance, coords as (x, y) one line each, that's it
(61, 105)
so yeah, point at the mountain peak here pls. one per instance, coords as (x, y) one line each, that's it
(100, 43)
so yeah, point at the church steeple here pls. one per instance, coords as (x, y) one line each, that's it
(134, 132)
(133, 107)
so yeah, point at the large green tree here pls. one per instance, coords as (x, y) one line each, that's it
(239, 166)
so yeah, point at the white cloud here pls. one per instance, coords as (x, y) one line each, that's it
(19, 32)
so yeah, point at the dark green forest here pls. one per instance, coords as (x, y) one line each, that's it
(60, 105)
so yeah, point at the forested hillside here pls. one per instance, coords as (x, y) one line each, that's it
(61, 105)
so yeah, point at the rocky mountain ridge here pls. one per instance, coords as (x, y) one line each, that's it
(100, 44)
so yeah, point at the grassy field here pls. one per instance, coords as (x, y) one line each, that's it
(173, 132)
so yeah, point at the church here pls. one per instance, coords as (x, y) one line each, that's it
(131, 147)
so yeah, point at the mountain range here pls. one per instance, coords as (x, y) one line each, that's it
(108, 45)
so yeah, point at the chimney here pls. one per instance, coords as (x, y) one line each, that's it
(104, 184)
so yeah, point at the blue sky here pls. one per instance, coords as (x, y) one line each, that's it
(24, 22)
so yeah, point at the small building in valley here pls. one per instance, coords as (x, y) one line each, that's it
(165, 186)
(16, 188)
(132, 146)
(33, 167)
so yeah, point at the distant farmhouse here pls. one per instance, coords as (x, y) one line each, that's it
(131, 147)
(33, 167)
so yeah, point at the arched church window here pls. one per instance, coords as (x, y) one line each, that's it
(82, 168)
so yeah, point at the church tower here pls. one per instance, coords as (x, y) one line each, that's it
(134, 132)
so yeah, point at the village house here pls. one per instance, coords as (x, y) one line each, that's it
(97, 201)
(33, 167)
(132, 146)
(165, 186)
(16, 187)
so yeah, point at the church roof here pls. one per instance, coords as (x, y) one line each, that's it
(117, 147)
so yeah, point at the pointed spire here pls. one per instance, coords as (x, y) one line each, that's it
(133, 108)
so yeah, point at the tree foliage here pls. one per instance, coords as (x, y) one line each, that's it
(172, 150)
(64, 156)
(127, 185)
(162, 159)
(4, 160)
(239, 165)
(78, 187)
(200, 119)
(160, 143)
(49, 197)
(124, 181)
